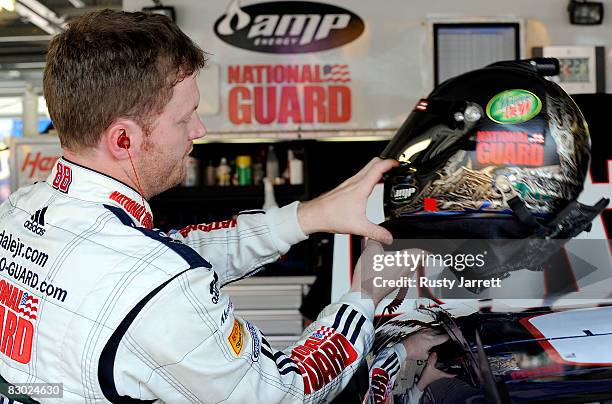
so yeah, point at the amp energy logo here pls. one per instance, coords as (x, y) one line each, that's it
(288, 26)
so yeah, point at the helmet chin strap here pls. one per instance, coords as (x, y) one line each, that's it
(515, 242)
(571, 221)
(546, 240)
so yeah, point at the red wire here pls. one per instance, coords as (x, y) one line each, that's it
(137, 179)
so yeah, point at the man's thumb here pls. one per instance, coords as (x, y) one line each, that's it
(378, 233)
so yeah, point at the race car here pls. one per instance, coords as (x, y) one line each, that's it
(537, 355)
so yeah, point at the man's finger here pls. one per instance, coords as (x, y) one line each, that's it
(377, 233)
(377, 170)
(371, 163)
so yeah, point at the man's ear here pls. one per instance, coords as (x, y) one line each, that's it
(123, 135)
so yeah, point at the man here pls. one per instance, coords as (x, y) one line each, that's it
(93, 297)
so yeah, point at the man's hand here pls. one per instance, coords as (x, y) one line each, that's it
(430, 374)
(343, 209)
(368, 268)
(419, 343)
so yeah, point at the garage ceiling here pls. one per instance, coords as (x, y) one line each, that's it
(25, 29)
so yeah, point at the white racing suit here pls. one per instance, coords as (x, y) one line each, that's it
(92, 297)
(384, 371)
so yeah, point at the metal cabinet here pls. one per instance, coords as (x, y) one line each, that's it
(272, 303)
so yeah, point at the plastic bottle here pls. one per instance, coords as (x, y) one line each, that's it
(193, 173)
(30, 111)
(296, 169)
(269, 199)
(223, 173)
(258, 173)
(244, 170)
(271, 164)
(210, 175)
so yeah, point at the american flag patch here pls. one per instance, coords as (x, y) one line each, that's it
(28, 306)
(421, 105)
(323, 332)
(536, 138)
(336, 73)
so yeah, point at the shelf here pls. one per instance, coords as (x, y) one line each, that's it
(297, 134)
(237, 192)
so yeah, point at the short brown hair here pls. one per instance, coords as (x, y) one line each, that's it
(110, 65)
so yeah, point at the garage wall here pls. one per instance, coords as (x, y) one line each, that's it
(400, 67)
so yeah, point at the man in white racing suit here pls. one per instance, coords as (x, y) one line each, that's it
(94, 298)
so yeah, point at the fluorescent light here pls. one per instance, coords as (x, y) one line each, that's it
(8, 5)
(77, 3)
(42, 11)
(36, 19)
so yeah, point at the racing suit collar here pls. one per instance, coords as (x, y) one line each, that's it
(87, 184)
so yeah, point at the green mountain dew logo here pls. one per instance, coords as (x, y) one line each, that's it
(513, 106)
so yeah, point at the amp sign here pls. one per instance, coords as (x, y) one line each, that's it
(288, 26)
(288, 81)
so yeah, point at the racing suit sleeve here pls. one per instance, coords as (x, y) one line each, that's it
(187, 346)
(239, 247)
(383, 373)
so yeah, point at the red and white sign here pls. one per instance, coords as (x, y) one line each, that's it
(32, 159)
(294, 94)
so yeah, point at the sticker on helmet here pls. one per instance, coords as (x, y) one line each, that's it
(402, 192)
(513, 106)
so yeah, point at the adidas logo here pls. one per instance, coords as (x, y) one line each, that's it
(37, 222)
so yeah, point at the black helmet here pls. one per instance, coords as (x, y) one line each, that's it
(485, 137)
(495, 153)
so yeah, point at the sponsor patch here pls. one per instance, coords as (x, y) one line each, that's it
(507, 148)
(214, 288)
(206, 227)
(36, 224)
(63, 177)
(226, 312)
(380, 387)
(402, 192)
(236, 339)
(135, 209)
(317, 335)
(18, 310)
(513, 106)
(255, 342)
(322, 357)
